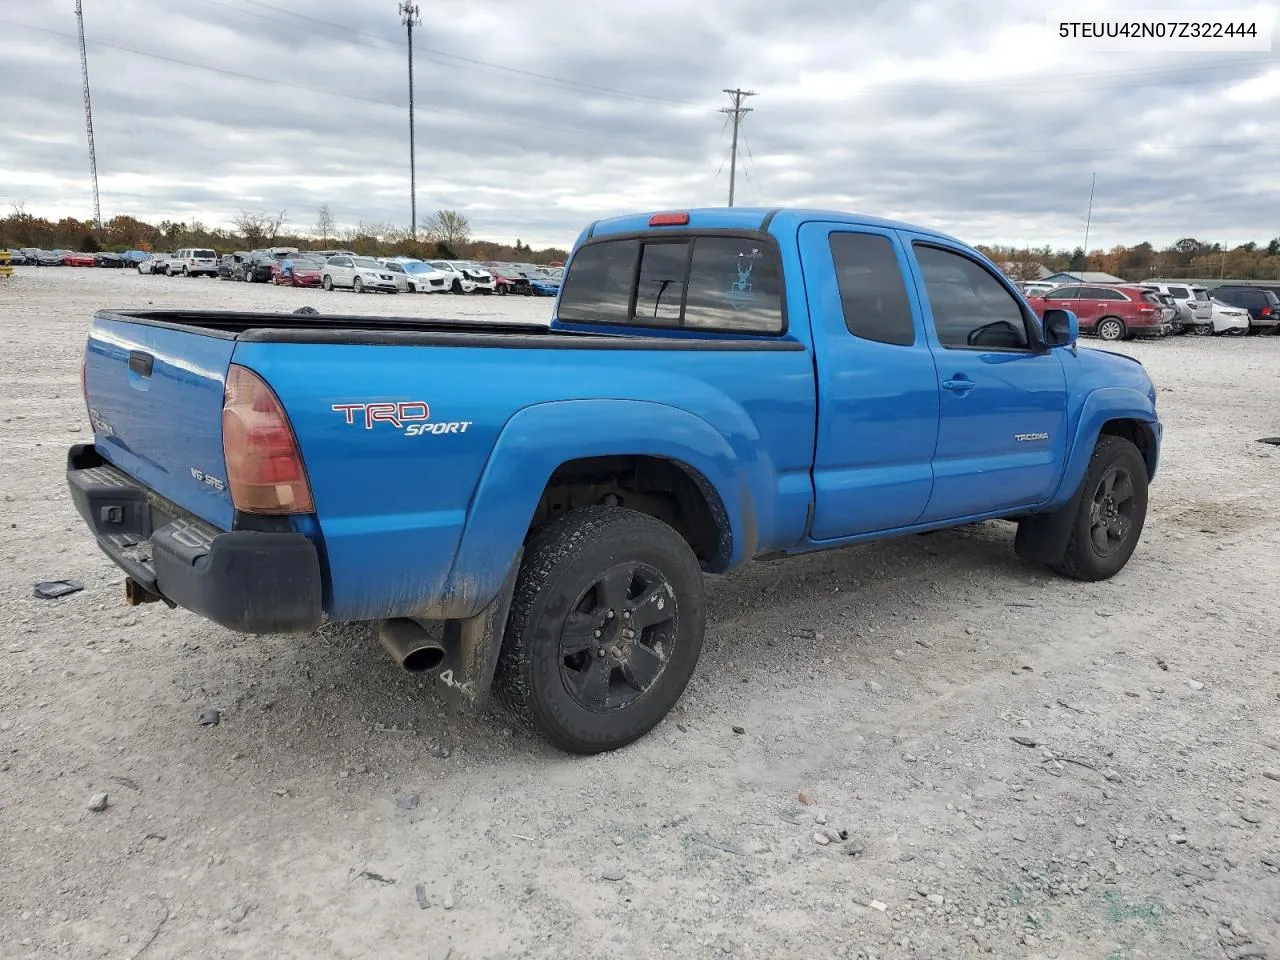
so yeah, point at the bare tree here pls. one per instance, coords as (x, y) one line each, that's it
(259, 228)
(1021, 266)
(324, 223)
(448, 227)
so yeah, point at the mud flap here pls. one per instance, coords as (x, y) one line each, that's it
(472, 647)
(1042, 537)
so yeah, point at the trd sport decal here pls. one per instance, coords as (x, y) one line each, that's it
(410, 417)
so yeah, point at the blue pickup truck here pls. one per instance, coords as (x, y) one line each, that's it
(530, 509)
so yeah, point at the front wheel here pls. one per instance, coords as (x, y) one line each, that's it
(1202, 329)
(1111, 328)
(1111, 513)
(327, 282)
(605, 629)
(357, 285)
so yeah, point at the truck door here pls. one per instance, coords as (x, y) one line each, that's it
(1002, 430)
(877, 386)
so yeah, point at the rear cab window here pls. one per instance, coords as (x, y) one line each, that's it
(710, 283)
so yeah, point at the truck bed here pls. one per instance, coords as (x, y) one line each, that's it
(259, 327)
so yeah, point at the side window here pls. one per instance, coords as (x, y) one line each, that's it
(873, 294)
(660, 290)
(1179, 293)
(733, 285)
(1063, 293)
(1106, 293)
(597, 286)
(970, 307)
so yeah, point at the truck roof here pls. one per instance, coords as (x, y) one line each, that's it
(750, 218)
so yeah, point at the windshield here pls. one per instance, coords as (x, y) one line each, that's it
(301, 263)
(417, 268)
(394, 267)
(365, 263)
(440, 265)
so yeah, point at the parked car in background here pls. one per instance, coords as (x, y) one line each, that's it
(1263, 305)
(194, 262)
(1192, 303)
(1119, 312)
(260, 267)
(465, 277)
(508, 281)
(358, 273)
(111, 260)
(424, 278)
(17, 258)
(296, 272)
(44, 258)
(70, 258)
(397, 271)
(1226, 319)
(543, 285)
(154, 263)
(231, 266)
(132, 258)
(1034, 288)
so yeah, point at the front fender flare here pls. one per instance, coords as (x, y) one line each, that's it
(539, 438)
(1099, 407)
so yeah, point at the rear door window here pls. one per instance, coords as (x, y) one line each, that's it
(1179, 293)
(873, 294)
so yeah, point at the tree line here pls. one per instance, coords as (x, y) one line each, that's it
(445, 234)
(1187, 258)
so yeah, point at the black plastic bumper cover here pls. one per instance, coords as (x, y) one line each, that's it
(245, 580)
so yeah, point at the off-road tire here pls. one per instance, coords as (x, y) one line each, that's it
(562, 566)
(1082, 559)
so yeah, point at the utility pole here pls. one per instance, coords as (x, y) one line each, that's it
(410, 17)
(1088, 220)
(737, 111)
(88, 118)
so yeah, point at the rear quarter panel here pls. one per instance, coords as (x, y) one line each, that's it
(393, 503)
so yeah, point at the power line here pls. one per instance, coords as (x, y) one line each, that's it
(88, 117)
(755, 167)
(409, 16)
(737, 112)
(278, 82)
(339, 32)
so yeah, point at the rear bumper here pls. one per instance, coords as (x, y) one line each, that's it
(246, 580)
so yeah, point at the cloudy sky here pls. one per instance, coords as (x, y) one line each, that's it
(534, 118)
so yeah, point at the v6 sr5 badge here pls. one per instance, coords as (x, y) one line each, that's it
(411, 417)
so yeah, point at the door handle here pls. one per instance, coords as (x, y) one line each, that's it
(959, 384)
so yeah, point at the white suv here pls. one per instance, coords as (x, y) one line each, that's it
(358, 273)
(1194, 308)
(465, 277)
(194, 261)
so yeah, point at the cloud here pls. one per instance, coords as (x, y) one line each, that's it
(962, 115)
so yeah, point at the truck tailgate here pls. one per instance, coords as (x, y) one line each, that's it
(155, 400)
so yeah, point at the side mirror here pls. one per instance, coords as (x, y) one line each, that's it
(1061, 328)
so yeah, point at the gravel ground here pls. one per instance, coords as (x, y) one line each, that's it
(946, 752)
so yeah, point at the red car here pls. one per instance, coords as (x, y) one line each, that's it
(77, 260)
(295, 272)
(1111, 312)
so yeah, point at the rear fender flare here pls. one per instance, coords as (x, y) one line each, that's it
(539, 438)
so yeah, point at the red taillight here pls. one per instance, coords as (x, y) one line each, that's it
(264, 466)
(1266, 311)
(669, 220)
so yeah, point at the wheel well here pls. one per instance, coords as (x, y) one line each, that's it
(1140, 435)
(667, 490)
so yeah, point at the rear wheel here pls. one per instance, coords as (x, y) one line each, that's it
(1111, 328)
(605, 629)
(1202, 329)
(1111, 512)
